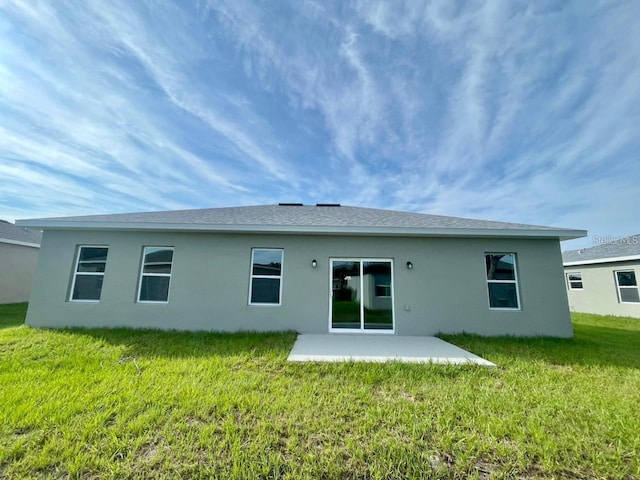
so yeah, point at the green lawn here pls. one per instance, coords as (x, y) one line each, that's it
(347, 315)
(147, 404)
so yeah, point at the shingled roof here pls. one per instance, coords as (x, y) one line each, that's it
(10, 233)
(627, 248)
(321, 219)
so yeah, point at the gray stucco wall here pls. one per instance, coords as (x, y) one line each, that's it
(17, 269)
(446, 290)
(599, 294)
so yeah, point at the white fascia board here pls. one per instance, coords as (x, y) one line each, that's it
(602, 260)
(17, 242)
(303, 229)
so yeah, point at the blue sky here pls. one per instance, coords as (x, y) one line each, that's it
(514, 111)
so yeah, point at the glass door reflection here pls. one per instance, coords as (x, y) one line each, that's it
(377, 298)
(361, 295)
(345, 301)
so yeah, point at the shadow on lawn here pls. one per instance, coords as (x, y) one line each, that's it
(616, 343)
(592, 345)
(180, 344)
(13, 315)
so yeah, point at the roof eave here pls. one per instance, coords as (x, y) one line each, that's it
(562, 234)
(18, 242)
(627, 258)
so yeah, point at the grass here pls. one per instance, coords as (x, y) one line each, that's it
(346, 314)
(146, 404)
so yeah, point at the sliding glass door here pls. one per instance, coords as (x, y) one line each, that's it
(361, 295)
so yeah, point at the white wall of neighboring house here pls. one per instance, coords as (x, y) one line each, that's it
(599, 292)
(17, 270)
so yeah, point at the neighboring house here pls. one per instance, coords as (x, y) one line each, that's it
(604, 279)
(313, 269)
(19, 249)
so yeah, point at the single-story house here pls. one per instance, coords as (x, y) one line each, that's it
(19, 248)
(604, 279)
(313, 269)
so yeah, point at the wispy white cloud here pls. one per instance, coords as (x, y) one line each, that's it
(508, 110)
(87, 122)
(166, 67)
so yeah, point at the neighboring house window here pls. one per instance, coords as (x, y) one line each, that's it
(383, 290)
(266, 276)
(155, 274)
(574, 280)
(502, 281)
(627, 286)
(89, 273)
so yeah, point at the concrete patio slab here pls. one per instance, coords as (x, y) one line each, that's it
(380, 348)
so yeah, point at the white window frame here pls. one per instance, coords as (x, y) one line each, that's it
(569, 281)
(362, 330)
(619, 287)
(75, 273)
(272, 277)
(515, 281)
(142, 274)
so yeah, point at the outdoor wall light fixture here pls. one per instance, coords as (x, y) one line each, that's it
(314, 263)
(409, 265)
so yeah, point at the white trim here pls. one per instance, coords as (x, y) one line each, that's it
(272, 277)
(628, 287)
(142, 274)
(515, 281)
(75, 274)
(17, 242)
(373, 331)
(562, 234)
(602, 260)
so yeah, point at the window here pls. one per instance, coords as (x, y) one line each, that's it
(266, 276)
(155, 274)
(502, 281)
(383, 290)
(574, 280)
(627, 286)
(89, 274)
